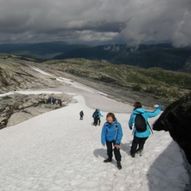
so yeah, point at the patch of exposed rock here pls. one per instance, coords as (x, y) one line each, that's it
(17, 108)
(17, 74)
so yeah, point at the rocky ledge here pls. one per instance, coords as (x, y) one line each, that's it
(18, 108)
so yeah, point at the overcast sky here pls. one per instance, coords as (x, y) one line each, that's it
(96, 21)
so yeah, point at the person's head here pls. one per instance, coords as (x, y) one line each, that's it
(137, 105)
(110, 117)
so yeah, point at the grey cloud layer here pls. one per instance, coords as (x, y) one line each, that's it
(135, 21)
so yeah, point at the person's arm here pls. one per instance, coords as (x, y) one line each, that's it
(154, 113)
(131, 121)
(119, 135)
(103, 135)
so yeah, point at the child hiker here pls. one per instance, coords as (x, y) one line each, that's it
(111, 137)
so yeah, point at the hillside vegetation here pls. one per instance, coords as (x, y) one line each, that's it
(160, 83)
(119, 81)
(161, 55)
(151, 55)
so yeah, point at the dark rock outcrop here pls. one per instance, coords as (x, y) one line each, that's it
(177, 120)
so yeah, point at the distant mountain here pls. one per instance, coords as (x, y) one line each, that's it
(39, 50)
(146, 56)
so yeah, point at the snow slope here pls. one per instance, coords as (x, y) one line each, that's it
(30, 92)
(57, 152)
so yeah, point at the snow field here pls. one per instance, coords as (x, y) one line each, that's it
(56, 151)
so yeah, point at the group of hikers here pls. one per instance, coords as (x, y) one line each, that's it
(112, 132)
(96, 117)
(54, 101)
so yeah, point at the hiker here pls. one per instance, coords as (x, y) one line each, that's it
(141, 128)
(97, 117)
(51, 100)
(58, 102)
(81, 115)
(111, 137)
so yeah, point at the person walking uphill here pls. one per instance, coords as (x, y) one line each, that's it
(97, 117)
(111, 137)
(81, 115)
(142, 130)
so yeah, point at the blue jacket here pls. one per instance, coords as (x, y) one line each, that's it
(146, 115)
(97, 114)
(111, 132)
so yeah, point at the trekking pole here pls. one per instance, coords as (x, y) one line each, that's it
(150, 128)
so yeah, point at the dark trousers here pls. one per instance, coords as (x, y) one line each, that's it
(97, 121)
(110, 150)
(81, 117)
(137, 145)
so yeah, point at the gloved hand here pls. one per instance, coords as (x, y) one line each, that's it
(156, 106)
(130, 127)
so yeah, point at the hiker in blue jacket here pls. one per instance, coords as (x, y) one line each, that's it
(97, 117)
(111, 137)
(138, 122)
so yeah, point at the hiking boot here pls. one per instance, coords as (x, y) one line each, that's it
(140, 152)
(107, 160)
(119, 165)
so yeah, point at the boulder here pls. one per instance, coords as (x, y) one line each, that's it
(177, 120)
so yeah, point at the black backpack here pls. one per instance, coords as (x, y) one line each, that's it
(140, 123)
(96, 114)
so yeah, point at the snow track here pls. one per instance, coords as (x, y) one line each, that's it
(57, 152)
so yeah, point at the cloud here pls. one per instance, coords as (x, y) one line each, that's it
(160, 21)
(96, 21)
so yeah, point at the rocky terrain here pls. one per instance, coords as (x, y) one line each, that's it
(124, 82)
(176, 120)
(17, 74)
(17, 108)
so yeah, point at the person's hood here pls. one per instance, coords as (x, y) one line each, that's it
(139, 110)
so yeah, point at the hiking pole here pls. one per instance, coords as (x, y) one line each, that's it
(150, 127)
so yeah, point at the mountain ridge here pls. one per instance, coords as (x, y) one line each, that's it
(154, 55)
